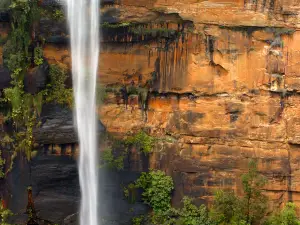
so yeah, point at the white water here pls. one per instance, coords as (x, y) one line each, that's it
(83, 17)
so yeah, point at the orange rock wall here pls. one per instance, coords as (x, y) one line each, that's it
(220, 108)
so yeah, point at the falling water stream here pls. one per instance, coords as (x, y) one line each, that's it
(83, 17)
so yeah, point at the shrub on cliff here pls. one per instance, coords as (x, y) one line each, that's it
(157, 188)
(4, 214)
(56, 90)
(2, 163)
(142, 141)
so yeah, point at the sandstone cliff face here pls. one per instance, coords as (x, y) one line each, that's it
(226, 91)
(225, 88)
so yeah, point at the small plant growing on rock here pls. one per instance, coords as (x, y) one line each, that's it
(142, 141)
(129, 192)
(2, 163)
(4, 214)
(138, 220)
(38, 56)
(157, 188)
(56, 90)
(58, 15)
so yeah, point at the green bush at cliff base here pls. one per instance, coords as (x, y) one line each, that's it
(138, 220)
(287, 216)
(227, 208)
(248, 209)
(4, 214)
(142, 141)
(157, 188)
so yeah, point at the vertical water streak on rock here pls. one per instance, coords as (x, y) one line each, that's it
(83, 17)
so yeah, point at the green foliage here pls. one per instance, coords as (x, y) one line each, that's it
(142, 141)
(157, 188)
(111, 161)
(38, 56)
(4, 215)
(132, 90)
(24, 108)
(254, 200)
(225, 208)
(190, 214)
(58, 14)
(138, 220)
(229, 209)
(53, 13)
(2, 164)
(56, 90)
(129, 192)
(287, 216)
(15, 51)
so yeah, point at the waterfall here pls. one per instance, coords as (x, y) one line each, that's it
(83, 17)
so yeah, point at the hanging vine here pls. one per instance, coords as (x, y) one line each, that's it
(24, 108)
(21, 52)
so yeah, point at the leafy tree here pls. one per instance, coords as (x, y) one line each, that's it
(287, 216)
(229, 209)
(225, 207)
(157, 188)
(190, 214)
(254, 203)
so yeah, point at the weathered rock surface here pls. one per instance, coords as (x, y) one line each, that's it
(57, 126)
